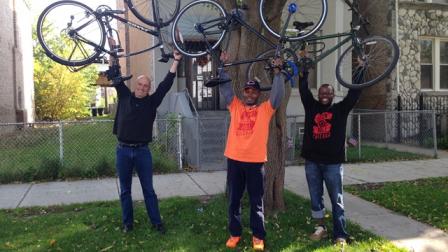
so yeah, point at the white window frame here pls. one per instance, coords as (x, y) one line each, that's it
(431, 1)
(435, 63)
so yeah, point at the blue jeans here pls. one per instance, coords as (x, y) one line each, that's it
(331, 174)
(141, 159)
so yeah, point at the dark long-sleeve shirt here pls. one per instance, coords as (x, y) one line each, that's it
(324, 136)
(135, 116)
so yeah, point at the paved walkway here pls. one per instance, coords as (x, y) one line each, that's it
(402, 231)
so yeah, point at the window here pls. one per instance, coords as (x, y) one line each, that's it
(434, 1)
(426, 64)
(434, 63)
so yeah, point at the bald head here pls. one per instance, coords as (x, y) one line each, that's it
(142, 86)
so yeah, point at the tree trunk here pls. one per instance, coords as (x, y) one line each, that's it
(245, 45)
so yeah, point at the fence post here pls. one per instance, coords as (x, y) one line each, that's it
(434, 133)
(61, 143)
(386, 137)
(359, 135)
(179, 139)
(198, 142)
(399, 119)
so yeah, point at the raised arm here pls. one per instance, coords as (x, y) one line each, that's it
(166, 84)
(353, 94)
(278, 85)
(305, 93)
(225, 88)
(114, 72)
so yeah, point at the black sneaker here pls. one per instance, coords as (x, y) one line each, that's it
(127, 228)
(159, 227)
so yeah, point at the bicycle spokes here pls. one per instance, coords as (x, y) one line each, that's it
(367, 63)
(75, 40)
(202, 25)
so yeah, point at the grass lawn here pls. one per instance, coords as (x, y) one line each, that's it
(425, 200)
(371, 154)
(193, 224)
(377, 154)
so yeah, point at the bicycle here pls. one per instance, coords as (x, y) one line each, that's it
(373, 57)
(74, 25)
(206, 21)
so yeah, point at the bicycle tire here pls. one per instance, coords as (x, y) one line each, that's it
(190, 19)
(314, 11)
(380, 56)
(167, 11)
(54, 36)
(262, 71)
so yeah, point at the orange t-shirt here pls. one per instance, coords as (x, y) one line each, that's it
(247, 138)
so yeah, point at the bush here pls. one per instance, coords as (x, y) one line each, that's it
(163, 163)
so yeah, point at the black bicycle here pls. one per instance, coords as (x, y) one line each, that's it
(73, 34)
(372, 57)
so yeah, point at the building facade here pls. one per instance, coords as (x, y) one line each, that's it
(16, 66)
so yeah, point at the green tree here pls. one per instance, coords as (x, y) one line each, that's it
(59, 93)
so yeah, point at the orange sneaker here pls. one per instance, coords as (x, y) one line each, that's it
(258, 244)
(233, 241)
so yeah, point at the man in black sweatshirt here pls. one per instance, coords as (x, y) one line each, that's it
(133, 124)
(323, 151)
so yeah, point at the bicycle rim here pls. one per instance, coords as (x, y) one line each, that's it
(63, 29)
(314, 11)
(205, 14)
(380, 56)
(166, 10)
(261, 70)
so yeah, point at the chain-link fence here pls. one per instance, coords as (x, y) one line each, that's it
(44, 151)
(370, 132)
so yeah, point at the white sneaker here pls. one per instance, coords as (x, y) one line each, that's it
(320, 232)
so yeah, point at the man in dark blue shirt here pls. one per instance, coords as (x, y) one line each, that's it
(133, 125)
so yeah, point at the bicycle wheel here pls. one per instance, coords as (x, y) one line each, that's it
(262, 71)
(370, 62)
(308, 18)
(70, 33)
(198, 28)
(166, 10)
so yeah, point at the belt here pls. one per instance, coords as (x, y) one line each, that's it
(132, 145)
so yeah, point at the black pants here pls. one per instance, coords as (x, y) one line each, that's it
(239, 176)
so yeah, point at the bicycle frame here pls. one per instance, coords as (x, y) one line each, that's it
(230, 20)
(351, 36)
(109, 31)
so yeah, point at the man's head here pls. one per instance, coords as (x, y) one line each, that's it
(251, 92)
(326, 94)
(142, 86)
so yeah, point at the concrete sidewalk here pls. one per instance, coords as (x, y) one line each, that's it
(402, 231)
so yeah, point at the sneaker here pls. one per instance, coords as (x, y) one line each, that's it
(320, 232)
(342, 242)
(258, 244)
(233, 241)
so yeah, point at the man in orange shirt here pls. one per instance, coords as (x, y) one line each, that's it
(246, 150)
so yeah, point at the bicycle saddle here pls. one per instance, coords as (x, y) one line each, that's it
(302, 25)
(216, 81)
